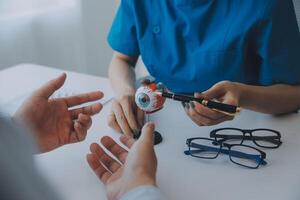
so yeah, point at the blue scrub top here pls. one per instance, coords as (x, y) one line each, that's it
(190, 45)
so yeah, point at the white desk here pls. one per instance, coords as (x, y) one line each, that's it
(179, 176)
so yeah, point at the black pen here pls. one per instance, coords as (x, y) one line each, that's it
(227, 109)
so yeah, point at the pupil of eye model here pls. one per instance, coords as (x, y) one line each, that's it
(144, 100)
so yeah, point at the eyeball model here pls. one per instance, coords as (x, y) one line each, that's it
(146, 98)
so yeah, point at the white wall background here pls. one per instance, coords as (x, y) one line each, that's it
(68, 34)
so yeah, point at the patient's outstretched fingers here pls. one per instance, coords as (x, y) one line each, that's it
(98, 168)
(119, 152)
(128, 141)
(83, 98)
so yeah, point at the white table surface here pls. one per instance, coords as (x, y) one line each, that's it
(179, 176)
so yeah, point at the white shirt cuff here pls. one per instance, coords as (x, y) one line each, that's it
(144, 193)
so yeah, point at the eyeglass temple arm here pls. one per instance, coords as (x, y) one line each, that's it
(236, 154)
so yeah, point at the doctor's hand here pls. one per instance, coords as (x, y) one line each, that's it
(225, 92)
(125, 117)
(52, 121)
(131, 169)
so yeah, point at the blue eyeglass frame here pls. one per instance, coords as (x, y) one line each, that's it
(232, 153)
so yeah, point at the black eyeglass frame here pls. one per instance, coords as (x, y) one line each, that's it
(272, 139)
(229, 146)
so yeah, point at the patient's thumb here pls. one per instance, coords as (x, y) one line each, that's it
(147, 136)
(49, 88)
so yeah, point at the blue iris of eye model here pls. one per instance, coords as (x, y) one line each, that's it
(144, 100)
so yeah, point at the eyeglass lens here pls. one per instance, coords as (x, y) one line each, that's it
(239, 154)
(250, 157)
(262, 138)
(265, 138)
(203, 148)
(232, 136)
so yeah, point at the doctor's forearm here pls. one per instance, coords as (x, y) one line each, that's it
(122, 75)
(275, 99)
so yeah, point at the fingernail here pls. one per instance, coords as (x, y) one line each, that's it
(187, 106)
(137, 135)
(145, 82)
(150, 125)
(198, 94)
(159, 86)
(135, 132)
(192, 104)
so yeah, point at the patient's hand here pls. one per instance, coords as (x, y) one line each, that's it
(52, 122)
(132, 169)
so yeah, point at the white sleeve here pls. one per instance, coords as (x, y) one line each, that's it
(19, 179)
(144, 193)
